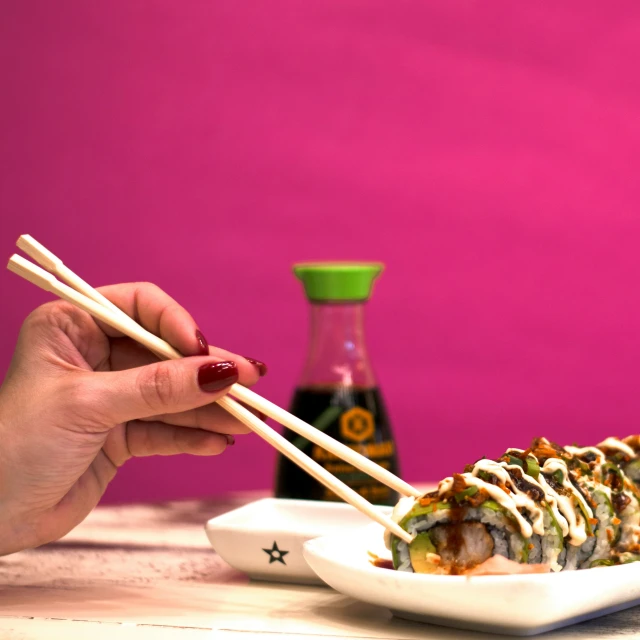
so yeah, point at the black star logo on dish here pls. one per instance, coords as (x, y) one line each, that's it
(275, 555)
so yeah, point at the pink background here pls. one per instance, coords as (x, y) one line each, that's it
(487, 152)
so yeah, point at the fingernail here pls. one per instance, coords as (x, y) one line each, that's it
(217, 376)
(230, 439)
(203, 345)
(260, 366)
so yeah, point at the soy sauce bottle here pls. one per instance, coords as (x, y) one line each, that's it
(337, 392)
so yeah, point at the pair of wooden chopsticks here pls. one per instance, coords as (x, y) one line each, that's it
(81, 294)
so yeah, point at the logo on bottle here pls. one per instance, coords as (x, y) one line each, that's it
(357, 424)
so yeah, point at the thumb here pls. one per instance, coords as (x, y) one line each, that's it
(163, 387)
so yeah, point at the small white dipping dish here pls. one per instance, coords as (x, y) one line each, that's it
(264, 539)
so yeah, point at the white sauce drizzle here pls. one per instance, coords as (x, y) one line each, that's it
(552, 500)
(617, 445)
(575, 520)
(576, 451)
(520, 498)
(570, 520)
(502, 498)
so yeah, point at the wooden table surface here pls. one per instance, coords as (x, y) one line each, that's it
(147, 571)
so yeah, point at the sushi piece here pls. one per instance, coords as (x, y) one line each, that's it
(546, 508)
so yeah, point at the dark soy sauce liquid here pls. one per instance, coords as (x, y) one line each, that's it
(356, 417)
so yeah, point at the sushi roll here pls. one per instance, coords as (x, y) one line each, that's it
(546, 508)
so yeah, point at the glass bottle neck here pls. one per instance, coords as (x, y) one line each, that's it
(337, 352)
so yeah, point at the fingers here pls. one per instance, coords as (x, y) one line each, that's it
(60, 331)
(211, 417)
(164, 387)
(127, 354)
(159, 439)
(159, 313)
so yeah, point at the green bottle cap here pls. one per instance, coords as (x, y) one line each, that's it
(338, 281)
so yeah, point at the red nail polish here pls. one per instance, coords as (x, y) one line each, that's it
(217, 376)
(203, 345)
(260, 366)
(230, 439)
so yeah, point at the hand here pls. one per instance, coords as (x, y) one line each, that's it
(79, 400)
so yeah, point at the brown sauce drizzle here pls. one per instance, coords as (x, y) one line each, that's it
(533, 491)
(543, 450)
(613, 479)
(557, 487)
(590, 456)
(620, 501)
(454, 539)
(382, 563)
(459, 483)
(478, 498)
(585, 496)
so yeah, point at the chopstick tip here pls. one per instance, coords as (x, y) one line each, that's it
(12, 260)
(24, 241)
(38, 252)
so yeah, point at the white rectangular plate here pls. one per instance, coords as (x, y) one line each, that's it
(522, 605)
(264, 539)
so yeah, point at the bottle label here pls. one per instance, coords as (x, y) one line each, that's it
(357, 425)
(357, 418)
(357, 428)
(373, 450)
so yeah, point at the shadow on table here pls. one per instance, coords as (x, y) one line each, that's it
(380, 623)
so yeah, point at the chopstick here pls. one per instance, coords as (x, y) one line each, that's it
(120, 321)
(52, 263)
(347, 454)
(123, 323)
